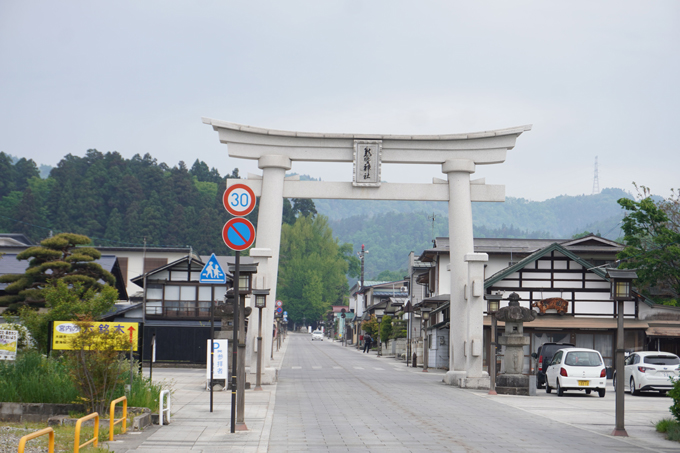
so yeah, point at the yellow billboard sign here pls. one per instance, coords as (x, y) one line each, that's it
(8, 344)
(63, 332)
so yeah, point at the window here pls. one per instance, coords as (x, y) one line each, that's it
(154, 292)
(171, 292)
(582, 358)
(557, 359)
(204, 293)
(187, 293)
(662, 360)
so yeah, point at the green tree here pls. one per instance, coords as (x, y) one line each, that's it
(371, 326)
(57, 258)
(385, 328)
(66, 303)
(96, 366)
(652, 237)
(311, 269)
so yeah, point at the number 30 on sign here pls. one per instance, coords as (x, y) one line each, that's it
(239, 200)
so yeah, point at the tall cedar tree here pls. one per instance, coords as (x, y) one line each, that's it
(311, 270)
(56, 259)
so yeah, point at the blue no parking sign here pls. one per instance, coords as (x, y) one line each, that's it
(238, 233)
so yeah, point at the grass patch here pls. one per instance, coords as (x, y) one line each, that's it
(64, 436)
(33, 378)
(144, 393)
(669, 427)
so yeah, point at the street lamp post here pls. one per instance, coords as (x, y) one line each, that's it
(426, 347)
(493, 302)
(621, 283)
(260, 303)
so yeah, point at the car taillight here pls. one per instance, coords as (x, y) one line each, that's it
(642, 369)
(603, 373)
(540, 361)
(563, 372)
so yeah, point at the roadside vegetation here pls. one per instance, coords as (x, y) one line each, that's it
(64, 436)
(671, 426)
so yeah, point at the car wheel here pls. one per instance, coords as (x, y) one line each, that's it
(633, 391)
(558, 388)
(587, 391)
(547, 386)
(601, 392)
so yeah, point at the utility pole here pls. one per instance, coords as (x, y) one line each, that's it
(432, 217)
(596, 180)
(144, 271)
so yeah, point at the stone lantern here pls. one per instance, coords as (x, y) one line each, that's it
(513, 382)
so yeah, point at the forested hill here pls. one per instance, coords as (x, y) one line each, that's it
(118, 201)
(390, 230)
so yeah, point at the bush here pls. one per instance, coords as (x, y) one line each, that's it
(97, 366)
(675, 394)
(399, 329)
(33, 378)
(670, 427)
(385, 328)
(143, 392)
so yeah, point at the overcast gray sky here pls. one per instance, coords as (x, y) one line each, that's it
(595, 78)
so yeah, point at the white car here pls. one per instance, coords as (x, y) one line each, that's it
(576, 369)
(650, 370)
(317, 335)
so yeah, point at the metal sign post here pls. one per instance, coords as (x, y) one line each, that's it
(238, 234)
(212, 351)
(237, 271)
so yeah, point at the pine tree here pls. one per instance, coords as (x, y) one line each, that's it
(56, 259)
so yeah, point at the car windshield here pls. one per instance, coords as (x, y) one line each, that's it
(318, 332)
(583, 358)
(662, 360)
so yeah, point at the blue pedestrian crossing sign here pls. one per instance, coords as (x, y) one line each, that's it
(212, 272)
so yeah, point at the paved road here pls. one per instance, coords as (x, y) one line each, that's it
(335, 399)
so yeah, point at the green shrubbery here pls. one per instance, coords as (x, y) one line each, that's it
(33, 378)
(669, 426)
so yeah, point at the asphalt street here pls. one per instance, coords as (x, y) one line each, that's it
(331, 398)
(335, 399)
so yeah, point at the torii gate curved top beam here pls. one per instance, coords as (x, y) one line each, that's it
(248, 142)
(457, 153)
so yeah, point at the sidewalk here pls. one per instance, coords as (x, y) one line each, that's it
(194, 428)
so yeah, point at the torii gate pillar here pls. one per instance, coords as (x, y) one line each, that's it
(458, 154)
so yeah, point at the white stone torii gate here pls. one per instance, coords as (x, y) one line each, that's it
(458, 154)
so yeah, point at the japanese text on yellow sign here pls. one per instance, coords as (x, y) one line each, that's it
(63, 331)
(8, 344)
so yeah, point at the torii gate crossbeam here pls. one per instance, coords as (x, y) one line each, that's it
(458, 154)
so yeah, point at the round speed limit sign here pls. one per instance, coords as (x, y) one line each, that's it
(239, 200)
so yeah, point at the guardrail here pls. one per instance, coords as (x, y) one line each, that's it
(161, 409)
(95, 440)
(122, 421)
(42, 432)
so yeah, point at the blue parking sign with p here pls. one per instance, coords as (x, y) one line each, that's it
(212, 272)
